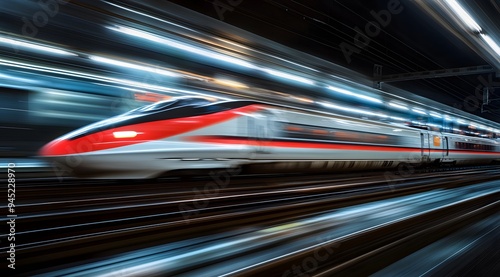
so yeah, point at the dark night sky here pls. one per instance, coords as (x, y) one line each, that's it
(411, 41)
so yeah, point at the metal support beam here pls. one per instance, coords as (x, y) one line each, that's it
(471, 70)
(486, 98)
(486, 95)
(377, 75)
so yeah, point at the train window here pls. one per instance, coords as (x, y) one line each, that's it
(320, 132)
(212, 108)
(301, 131)
(474, 146)
(175, 103)
(292, 128)
(488, 147)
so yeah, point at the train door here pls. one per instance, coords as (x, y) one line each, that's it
(446, 147)
(425, 146)
(260, 133)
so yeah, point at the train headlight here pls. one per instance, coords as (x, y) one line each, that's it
(125, 134)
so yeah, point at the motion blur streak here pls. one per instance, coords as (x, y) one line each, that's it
(33, 46)
(240, 149)
(227, 254)
(182, 46)
(120, 54)
(134, 66)
(456, 249)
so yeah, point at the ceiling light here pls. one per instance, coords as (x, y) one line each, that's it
(491, 43)
(398, 118)
(402, 107)
(230, 83)
(33, 46)
(434, 114)
(182, 46)
(332, 106)
(463, 15)
(288, 76)
(344, 91)
(157, 70)
(419, 111)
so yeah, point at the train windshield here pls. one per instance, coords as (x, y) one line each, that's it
(175, 103)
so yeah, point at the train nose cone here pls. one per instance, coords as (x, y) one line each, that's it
(57, 147)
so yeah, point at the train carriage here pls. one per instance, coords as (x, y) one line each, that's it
(195, 133)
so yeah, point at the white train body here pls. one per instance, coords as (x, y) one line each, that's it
(192, 133)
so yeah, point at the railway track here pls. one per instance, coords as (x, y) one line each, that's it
(93, 220)
(367, 251)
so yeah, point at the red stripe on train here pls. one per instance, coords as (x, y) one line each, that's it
(315, 145)
(148, 131)
(299, 144)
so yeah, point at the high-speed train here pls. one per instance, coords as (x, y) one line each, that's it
(196, 133)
